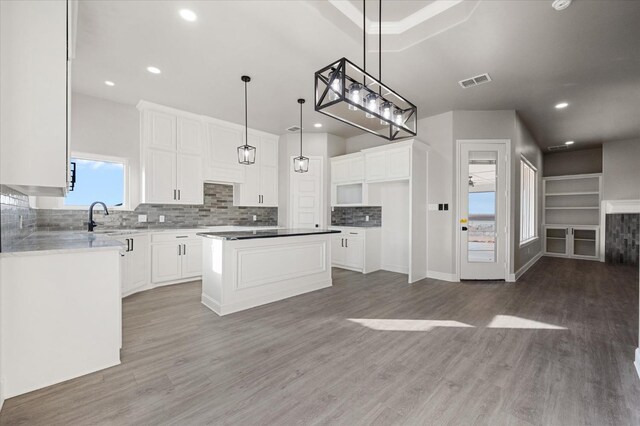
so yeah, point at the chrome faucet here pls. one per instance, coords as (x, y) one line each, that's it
(92, 224)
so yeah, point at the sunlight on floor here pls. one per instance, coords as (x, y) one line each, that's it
(499, 321)
(508, 321)
(406, 324)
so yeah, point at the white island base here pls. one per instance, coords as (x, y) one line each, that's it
(244, 273)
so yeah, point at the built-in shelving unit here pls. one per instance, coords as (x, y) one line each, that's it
(572, 215)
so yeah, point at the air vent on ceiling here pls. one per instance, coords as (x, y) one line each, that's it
(293, 129)
(558, 148)
(474, 81)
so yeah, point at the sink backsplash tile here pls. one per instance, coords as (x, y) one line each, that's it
(218, 209)
(356, 216)
(14, 208)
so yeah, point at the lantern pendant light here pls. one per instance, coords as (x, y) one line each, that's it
(301, 163)
(348, 93)
(246, 152)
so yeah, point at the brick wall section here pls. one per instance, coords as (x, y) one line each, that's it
(14, 205)
(622, 238)
(355, 216)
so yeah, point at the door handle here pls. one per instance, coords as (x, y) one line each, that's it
(131, 243)
(346, 242)
(179, 249)
(341, 242)
(184, 249)
(178, 194)
(464, 228)
(128, 247)
(174, 194)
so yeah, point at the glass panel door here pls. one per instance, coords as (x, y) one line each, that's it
(556, 240)
(481, 240)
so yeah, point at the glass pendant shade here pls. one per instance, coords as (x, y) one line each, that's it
(301, 164)
(246, 154)
(373, 107)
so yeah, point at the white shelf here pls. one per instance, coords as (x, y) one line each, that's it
(556, 238)
(561, 194)
(572, 208)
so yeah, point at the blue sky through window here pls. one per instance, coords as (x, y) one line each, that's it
(482, 203)
(97, 181)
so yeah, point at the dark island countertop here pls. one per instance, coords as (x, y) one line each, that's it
(266, 233)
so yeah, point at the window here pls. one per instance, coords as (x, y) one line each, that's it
(528, 191)
(98, 178)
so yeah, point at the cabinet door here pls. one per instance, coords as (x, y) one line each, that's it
(399, 163)
(221, 154)
(269, 186)
(165, 262)
(267, 154)
(190, 135)
(126, 279)
(339, 171)
(160, 176)
(161, 130)
(557, 241)
(189, 179)
(250, 189)
(375, 166)
(337, 250)
(356, 169)
(584, 242)
(354, 252)
(138, 261)
(192, 259)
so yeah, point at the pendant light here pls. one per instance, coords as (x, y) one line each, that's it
(246, 152)
(301, 163)
(348, 93)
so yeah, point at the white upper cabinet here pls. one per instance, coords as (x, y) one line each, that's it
(347, 168)
(387, 164)
(35, 51)
(171, 153)
(260, 185)
(221, 152)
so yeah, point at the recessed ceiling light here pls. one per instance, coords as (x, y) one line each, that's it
(569, 142)
(109, 83)
(560, 4)
(562, 105)
(154, 70)
(188, 15)
(317, 125)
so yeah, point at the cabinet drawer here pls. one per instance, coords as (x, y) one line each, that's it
(169, 237)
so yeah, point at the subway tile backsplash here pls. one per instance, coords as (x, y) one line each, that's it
(17, 219)
(622, 238)
(356, 216)
(218, 209)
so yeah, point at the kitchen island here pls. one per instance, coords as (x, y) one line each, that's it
(245, 269)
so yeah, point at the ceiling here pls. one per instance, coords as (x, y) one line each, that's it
(587, 55)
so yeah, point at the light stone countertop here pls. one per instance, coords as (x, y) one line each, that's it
(52, 242)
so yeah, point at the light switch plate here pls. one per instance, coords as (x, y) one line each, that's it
(255, 217)
(161, 218)
(142, 218)
(366, 218)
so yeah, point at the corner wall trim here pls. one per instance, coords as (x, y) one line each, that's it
(442, 276)
(527, 265)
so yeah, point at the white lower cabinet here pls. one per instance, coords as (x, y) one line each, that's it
(135, 267)
(175, 257)
(579, 241)
(357, 249)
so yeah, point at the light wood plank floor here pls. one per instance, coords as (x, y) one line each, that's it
(304, 361)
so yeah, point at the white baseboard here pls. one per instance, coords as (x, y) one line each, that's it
(442, 276)
(637, 362)
(400, 269)
(211, 304)
(526, 266)
(1, 394)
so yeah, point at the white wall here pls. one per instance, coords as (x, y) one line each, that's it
(99, 126)
(621, 170)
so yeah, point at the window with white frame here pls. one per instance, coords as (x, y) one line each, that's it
(97, 178)
(528, 208)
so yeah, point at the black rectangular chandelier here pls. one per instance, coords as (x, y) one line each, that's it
(347, 93)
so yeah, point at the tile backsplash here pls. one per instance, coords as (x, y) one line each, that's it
(356, 216)
(218, 209)
(17, 219)
(622, 238)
